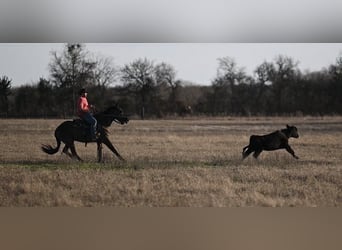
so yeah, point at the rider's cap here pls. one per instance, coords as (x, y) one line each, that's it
(82, 91)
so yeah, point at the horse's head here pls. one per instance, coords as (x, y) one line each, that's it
(116, 113)
(292, 131)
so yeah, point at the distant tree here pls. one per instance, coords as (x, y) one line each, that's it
(228, 76)
(335, 70)
(46, 98)
(335, 92)
(26, 101)
(139, 77)
(74, 68)
(265, 73)
(262, 99)
(70, 71)
(285, 68)
(5, 91)
(166, 74)
(286, 72)
(105, 74)
(229, 70)
(279, 75)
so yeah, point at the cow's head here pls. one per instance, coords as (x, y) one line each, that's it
(292, 131)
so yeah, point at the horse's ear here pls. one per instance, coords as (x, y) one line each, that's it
(287, 126)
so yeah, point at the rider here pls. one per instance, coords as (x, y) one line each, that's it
(83, 111)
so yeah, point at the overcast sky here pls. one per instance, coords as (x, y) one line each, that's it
(24, 63)
(188, 34)
(170, 21)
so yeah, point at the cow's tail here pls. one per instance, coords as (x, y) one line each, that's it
(246, 147)
(49, 149)
(244, 150)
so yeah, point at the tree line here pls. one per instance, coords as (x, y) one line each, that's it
(147, 89)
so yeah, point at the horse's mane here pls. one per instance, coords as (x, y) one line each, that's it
(104, 117)
(104, 131)
(110, 114)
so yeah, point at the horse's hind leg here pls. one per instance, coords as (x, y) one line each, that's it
(99, 151)
(65, 151)
(73, 151)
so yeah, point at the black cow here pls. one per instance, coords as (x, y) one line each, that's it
(276, 140)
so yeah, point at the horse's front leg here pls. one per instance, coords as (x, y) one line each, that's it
(99, 151)
(106, 141)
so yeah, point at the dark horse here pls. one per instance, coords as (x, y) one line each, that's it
(276, 140)
(77, 130)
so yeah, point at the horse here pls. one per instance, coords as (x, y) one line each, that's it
(273, 141)
(78, 130)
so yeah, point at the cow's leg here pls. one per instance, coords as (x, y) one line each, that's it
(73, 151)
(257, 153)
(111, 147)
(290, 150)
(99, 151)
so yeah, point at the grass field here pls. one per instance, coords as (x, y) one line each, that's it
(173, 163)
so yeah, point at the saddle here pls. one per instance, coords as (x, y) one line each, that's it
(82, 125)
(79, 123)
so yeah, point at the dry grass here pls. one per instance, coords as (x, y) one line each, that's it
(190, 162)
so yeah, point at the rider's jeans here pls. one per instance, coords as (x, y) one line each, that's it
(92, 121)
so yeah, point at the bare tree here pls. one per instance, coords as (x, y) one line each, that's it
(265, 73)
(228, 76)
(336, 69)
(286, 71)
(105, 72)
(75, 68)
(229, 71)
(70, 71)
(45, 100)
(286, 68)
(5, 91)
(139, 76)
(166, 74)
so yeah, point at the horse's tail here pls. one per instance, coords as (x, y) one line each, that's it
(49, 149)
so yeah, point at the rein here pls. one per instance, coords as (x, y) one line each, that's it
(114, 116)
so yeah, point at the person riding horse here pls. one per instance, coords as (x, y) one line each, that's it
(69, 131)
(84, 112)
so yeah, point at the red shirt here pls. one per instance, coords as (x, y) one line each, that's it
(82, 105)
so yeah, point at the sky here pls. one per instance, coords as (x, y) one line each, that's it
(170, 21)
(188, 34)
(25, 63)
